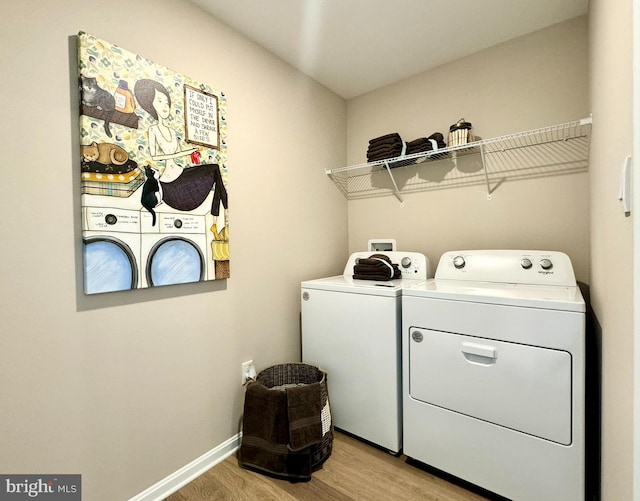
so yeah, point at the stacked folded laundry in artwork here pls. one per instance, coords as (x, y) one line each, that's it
(387, 146)
(376, 267)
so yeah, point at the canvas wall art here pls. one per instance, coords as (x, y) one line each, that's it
(154, 173)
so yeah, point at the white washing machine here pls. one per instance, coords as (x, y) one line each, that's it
(111, 247)
(351, 328)
(494, 373)
(176, 252)
(124, 250)
(177, 248)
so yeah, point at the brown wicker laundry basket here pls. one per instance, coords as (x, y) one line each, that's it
(282, 375)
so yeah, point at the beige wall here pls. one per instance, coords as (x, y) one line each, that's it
(610, 44)
(534, 81)
(126, 388)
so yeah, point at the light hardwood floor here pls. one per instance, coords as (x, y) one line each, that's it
(354, 471)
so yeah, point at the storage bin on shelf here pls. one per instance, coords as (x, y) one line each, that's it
(286, 426)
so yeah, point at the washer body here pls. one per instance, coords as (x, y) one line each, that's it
(174, 250)
(130, 252)
(111, 249)
(351, 328)
(494, 371)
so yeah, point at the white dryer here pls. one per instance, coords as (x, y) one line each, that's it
(494, 373)
(351, 328)
(174, 250)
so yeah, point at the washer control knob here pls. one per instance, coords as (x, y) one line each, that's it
(405, 262)
(526, 263)
(459, 262)
(546, 264)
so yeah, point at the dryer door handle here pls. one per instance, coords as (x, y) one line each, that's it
(482, 354)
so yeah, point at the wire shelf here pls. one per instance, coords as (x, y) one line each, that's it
(548, 151)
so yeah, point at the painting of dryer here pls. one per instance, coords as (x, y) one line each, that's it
(154, 173)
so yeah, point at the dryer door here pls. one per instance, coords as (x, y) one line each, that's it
(525, 388)
(174, 260)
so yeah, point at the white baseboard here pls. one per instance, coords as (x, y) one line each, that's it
(186, 474)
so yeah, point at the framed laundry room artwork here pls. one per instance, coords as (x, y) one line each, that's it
(153, 167)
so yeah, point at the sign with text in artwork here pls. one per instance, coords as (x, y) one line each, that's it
(201, 114)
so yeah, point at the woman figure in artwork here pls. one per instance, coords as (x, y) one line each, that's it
(182, 188)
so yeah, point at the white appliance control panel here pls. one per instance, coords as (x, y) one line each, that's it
(507, 266)
(413, 265)
(110, 219)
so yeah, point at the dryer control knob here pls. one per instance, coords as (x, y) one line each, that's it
(546, 264)
(405, 262)
(526, 263)
(458, 262)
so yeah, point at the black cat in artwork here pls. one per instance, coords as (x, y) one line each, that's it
(93, 95)
(151, 192)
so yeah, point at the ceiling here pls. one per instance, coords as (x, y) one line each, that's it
(356, 46)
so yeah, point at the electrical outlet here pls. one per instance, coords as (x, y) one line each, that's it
(248, 371)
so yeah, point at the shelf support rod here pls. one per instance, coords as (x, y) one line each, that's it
(396, 191)
(486, 174)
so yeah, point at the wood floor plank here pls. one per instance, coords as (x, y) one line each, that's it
(355, 471)
(228, 481)
(367, 473)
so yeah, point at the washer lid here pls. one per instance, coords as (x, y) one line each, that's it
(525, 295)
(343, 283)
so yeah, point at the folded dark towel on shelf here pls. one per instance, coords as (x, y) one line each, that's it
(383, 155)
(425, 147)
(424, 144)
(434, 142)
(391, 146)
(391, 139)
(421, 141)
(385, 152)
(375, 147)
(394, 136)
(377, 158)
(383, 147)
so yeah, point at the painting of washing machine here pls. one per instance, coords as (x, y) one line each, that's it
(153, 166)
